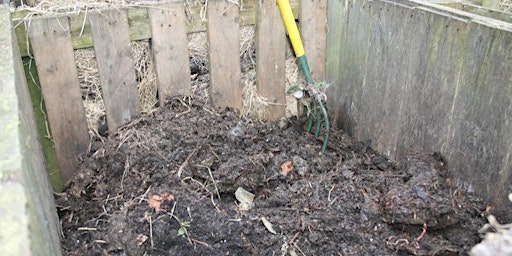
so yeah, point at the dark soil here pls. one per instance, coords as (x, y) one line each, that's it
(349, 201)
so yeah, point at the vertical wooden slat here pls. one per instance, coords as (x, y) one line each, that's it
(270, 58)
(53, 51)
(224, 54)
(339, 94)
(313, 28)
(116, 68)
(170, 50)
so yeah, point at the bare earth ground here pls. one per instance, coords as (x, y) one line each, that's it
(349, 201)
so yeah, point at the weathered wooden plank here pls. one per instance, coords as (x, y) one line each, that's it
(464, 130)
(313, 28)
(499, 84)
(378, 101)
(349, 50)
(115, 65)
(270, 58)
(479, 10)
(28, 213)
(435, 63)
(224, 54)
(51, 43)
(337, 13)
(479, 139)
(170, 50)
(138, 20)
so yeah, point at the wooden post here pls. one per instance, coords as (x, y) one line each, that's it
(170, 50)
(313, 29)
(53, 51)
(271, 57)
(224, 54)
(110, 33)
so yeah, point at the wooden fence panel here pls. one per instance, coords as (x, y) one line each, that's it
(456, 98)
(270, 58)
(480, 138)
(170, 50)
(53, 51)
(111, 38)
(138, 19)
(224, 54)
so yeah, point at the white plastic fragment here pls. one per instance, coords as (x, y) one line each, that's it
(298, 94)
(245, 198)
(268, 225)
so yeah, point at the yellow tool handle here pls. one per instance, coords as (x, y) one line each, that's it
(291, 27)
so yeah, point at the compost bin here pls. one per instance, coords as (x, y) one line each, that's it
(160, 148)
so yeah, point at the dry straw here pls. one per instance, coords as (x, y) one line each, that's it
(253, 105)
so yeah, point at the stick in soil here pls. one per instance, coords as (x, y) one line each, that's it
(143, 196)
(186, 162)
(126, 168)
(151, 231)
(205, 188)
(213, 180)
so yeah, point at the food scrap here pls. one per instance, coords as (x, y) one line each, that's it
(155, 200)
(286, 168)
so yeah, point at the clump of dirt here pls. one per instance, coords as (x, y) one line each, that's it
(165, 185)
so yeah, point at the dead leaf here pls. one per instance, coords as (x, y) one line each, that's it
(268, 225)
(155, 200)
(286, 168)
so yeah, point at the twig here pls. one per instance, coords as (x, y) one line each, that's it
(186, 162)
(213, 180)
(126, 168)
(143, 196)
(127, 136)
(181, 223)
(172, 210)
(184, 112)
(199, 242)
(86, 229)
(213, 152)
(83, 23)
(294, 237)
(151, 231)
(298, 249)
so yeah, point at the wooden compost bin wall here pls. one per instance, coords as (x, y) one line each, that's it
(28, 215)
(110, 31)
(413, 74)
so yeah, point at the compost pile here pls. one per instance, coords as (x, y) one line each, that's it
(165, 184)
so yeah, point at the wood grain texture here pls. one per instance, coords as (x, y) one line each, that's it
(479, 139)
(380, 95)
(224, 54)
(270, 58)
(116, 67)
(338, 97)
(435, 58)
(313, 28)
(138, 20)
(422, 76)
(170, 50)
(51, 44)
